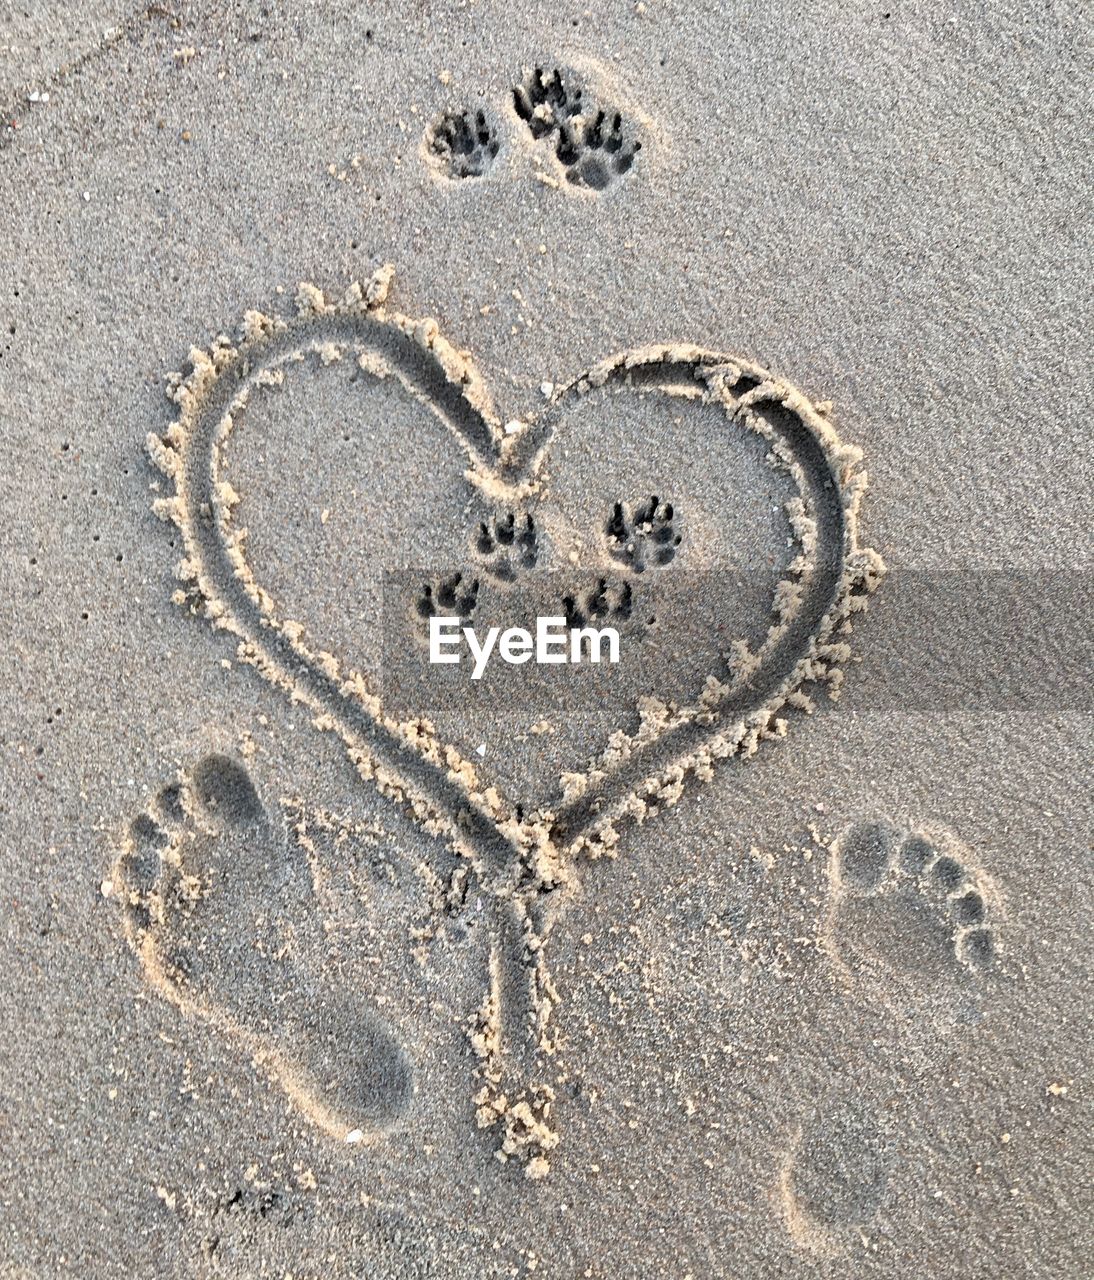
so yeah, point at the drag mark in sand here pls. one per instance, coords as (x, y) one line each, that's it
(522, 862)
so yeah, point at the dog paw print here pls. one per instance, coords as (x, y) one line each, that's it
(643, 536)
(542, 101)
(913, 901)
(591, 142)
(221, 913)
(595, 152)
(461, 144)
(451, 596)
(606, 603)
(507, 545)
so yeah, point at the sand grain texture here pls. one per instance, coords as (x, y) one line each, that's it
(806, 998)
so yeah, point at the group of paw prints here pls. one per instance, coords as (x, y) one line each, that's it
(592, 143)
(639, 535)
(504, 546)
(876, 861)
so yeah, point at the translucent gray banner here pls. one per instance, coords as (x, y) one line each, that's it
(995, 640)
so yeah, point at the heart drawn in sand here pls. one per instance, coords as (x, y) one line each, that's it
(523, 856)
(640, 769)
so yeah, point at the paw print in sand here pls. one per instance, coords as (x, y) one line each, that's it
(451, 596)
(595, 152)
(461, 144)
(591, 142)
(543, 101)
(507, 545)
(644, 535)
(604, 604)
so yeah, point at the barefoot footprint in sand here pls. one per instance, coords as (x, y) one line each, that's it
(915, 925)
(220, 909)
(912, 900)
(836, 1173)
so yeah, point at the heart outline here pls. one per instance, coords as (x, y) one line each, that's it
(391, 753)
(519, 861)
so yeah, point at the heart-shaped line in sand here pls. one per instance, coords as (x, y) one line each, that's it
(520, 860)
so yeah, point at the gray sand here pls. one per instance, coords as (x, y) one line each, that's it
(825, 1012)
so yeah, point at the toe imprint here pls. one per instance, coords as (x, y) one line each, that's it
(224, 788)
(865, 852)
(915, 853)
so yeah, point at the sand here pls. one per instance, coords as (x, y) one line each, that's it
(764, 954)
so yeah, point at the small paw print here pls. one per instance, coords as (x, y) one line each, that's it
(595, 152)
(592, 142)
(643, 536)
(507, 545)
(460, 144)
(606, 602)
(452, 596)
(542, 100)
